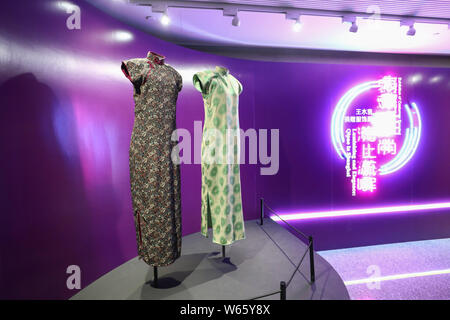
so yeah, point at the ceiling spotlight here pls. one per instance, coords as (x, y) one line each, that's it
(236, 22)
(415, 78)
(411, 31)
(161, 8)
(436, 79)
(410, 24)
(351, 19)
(294, 16)
(165, 20)
(297, 25)
(354, 27)
(232, 12)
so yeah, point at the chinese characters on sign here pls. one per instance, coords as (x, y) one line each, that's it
(371, 133)
(371, 137)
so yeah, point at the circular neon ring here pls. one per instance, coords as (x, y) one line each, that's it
(412, 134)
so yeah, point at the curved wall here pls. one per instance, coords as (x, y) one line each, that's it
(66, 122)
(312, 177)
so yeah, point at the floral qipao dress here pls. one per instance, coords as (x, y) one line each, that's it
(154, 177)
(221, 184)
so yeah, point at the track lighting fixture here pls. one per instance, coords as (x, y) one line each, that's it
(354, 27)
(161, 8)
(232, 12)
(410, 24)
(411, 31)
(236, 22)
(297, 25)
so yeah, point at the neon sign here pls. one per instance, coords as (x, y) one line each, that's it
(368, 137)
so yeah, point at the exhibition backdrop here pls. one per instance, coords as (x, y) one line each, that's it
(312, 177)
(66, 121)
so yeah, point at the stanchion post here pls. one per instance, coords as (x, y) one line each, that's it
(155, 277)
(311, 259)
(262, 211)
(282, 290)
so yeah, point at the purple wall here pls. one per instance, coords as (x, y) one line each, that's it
(66, 121)
(312, 176)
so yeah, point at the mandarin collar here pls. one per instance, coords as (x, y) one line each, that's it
(222, 70)
(155, 57)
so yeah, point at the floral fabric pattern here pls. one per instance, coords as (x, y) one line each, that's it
(221, 184)
(154, 178)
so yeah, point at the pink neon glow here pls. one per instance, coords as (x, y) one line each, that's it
(365, 211)
(366, 135)
(398, 276)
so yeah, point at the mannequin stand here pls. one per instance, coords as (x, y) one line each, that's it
(166, 282)
(223, 252)
(155, 277)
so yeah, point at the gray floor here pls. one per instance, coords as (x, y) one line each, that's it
(408, 270)
(255, 266)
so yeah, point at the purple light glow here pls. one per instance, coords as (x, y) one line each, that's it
(397, 277)
(365, 211)
(370, 134)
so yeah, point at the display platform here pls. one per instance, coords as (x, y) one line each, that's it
(252, 267)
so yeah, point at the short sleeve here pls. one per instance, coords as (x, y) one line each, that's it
(179, 81)
(201, 81)
(240, 86)
(133, 71)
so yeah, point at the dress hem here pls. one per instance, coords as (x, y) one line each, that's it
(223, 244)
(160, 264)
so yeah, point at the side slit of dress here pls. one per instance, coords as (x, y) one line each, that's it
(208, 213)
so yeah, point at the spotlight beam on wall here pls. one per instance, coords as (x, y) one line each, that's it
(362, 211)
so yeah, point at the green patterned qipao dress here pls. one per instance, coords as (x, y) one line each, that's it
(221, 183)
